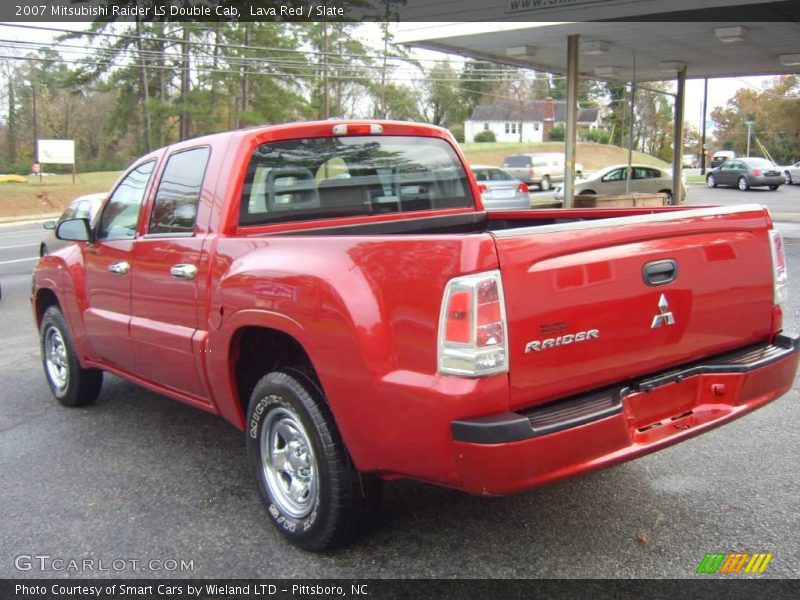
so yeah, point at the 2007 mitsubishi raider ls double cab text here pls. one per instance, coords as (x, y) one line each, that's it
(336, 291)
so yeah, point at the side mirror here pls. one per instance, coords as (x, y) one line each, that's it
(49, 224)
(74, 230)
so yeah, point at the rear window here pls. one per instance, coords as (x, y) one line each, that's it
(517, 160)
(320, 178)
(760, 163)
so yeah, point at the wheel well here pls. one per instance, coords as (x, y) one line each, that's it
(257, 351)
(44, 299)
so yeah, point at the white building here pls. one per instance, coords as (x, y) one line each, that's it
(535, 118)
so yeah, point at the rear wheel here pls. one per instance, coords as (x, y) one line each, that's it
(588, 193)
(71, 384)
(743, 184)
(313, 493)
(711, 181)
(668, 194)
(774, 187)
(545, 185)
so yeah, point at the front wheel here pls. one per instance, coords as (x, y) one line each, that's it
(711, 181)
(71, 384)
(788, 177)
(545, 185)
(312, 492)
(744, 185)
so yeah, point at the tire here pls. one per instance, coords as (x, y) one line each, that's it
(711, 181)
(670, 199)
(545, 185)
(42, 249)
(788, 178)
(743, 184)
(588, 193)
(774, 187)
(314, 495)
(578, 174)
(71, 384)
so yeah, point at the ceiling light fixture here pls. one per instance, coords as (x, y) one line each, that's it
(594, 48)
(789, 60)
(521, 51)
(730, 34)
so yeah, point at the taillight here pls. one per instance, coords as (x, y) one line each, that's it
(482, 188)
(757, 172)
(473, 335)
(779, 272)
(533, 172)
(523, 187)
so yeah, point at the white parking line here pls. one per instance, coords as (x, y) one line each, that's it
(17, 260)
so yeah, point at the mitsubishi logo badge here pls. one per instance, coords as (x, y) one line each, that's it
(664, 317)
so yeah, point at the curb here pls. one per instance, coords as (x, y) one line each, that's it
(26, 219)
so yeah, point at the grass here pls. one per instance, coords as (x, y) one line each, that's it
(51, 195)
(591, 156)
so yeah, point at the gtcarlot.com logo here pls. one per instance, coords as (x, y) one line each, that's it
(734, 563)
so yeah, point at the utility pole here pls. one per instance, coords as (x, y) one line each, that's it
(35, 128)
(749, 124)
(327, 110)
(703, 129)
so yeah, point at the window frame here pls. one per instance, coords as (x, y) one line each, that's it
(147, 188)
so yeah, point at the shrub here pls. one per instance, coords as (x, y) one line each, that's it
(485, 136)
(599, 136)
(557, 133)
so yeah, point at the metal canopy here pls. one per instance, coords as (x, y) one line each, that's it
(652, 43)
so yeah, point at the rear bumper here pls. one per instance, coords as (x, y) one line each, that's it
(767, 180)
(511, 452)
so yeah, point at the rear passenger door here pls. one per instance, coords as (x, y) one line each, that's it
(169, 279)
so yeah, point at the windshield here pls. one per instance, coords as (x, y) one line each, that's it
(319, 178)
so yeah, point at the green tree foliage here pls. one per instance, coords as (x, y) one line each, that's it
(776, 115)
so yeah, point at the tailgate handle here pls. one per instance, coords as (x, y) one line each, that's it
(660, 272)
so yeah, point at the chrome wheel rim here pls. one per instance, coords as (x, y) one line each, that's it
(55, 359)
(710, 181)
(742, 184)
(288, 463)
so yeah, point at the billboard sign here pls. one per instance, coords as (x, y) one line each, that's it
(57, 152)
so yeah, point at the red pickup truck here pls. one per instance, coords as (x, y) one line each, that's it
(336, 291)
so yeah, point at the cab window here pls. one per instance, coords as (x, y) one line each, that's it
(121, 212)
(175, 206)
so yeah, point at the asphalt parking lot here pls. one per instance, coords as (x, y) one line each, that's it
(141, 477)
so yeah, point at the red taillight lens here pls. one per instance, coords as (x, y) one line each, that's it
(482, 188)
(757, 172)
(523, 187)
(473, 331)
(459, 318)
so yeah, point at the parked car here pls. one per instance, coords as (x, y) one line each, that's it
(745, 173)
(721, 156)
(792, 173)
(499, 190)
(611, 180)
(689, 161)
(83, 207)
(379, 325)
(540, 169)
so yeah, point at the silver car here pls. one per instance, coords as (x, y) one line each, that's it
(792, 173)
(499, 190)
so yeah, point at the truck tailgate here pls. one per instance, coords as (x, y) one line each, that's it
(595, 303)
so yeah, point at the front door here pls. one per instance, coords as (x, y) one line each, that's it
(109, 261)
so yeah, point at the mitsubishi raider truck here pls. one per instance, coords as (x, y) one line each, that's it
(336, 291)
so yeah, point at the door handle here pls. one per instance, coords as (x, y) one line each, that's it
(660, 272)
(183, 271)
(120, 268)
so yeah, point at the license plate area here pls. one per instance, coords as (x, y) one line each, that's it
(665, 403)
